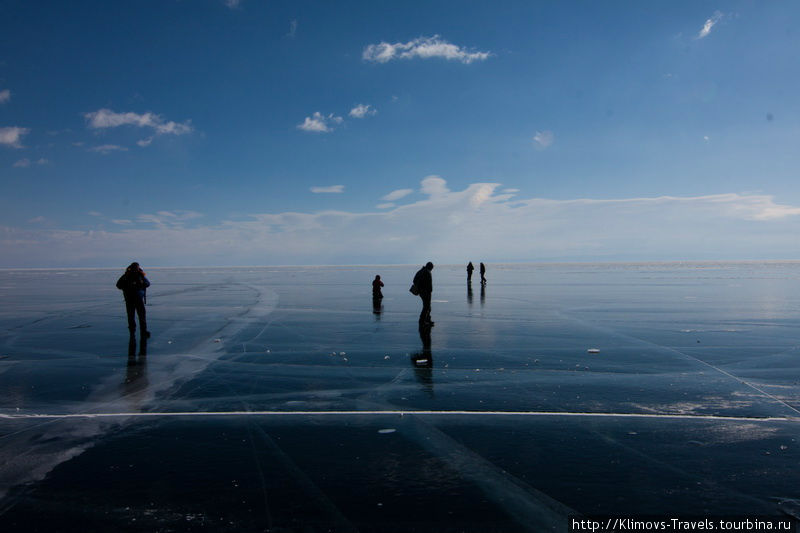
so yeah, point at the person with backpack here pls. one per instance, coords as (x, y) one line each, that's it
(423, 282)
(133, 284)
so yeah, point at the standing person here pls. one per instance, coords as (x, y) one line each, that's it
(376, 288)
(424, 282)
(483, 274)
(133, 284)
(470, 268)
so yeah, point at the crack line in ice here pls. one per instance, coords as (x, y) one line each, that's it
(686, 355)
(399, 413)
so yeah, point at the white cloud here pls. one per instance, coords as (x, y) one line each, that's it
(331, 189)
(122, 221)
(38, 220)
(396, 195)
(106, 118)
(710, 23)
(94, 213)
(145, 142)
(319, 123)
(11, 136)
(434, 186)
(444, 226)
(361, 111)
(107, 148)
(385, 206)
(233, 4)
(543, 139)
(292, 29)
(422, 47)
(5, 96)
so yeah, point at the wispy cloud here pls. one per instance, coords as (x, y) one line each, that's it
(319, 123)
(361, 111)
(107, 148)
(106, 118)
(292, 29)
(424, 48)
(397, 194)
(500, 225)
(232, 4)
(167, 219)
(25, 162)
(543, 139)
(334, 189)
(5, 96)
(11, 137)
(709, 24)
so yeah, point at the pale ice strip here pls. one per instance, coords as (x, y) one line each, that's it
(155, 414)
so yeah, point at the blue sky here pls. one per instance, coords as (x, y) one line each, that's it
(213, 132)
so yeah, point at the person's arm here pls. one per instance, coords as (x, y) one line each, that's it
(146, 281)
(120, 285)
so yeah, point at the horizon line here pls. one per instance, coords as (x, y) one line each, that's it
(365, 265)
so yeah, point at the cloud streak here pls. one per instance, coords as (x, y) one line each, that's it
(396, 195)
(423, 48)
(107, 148)
(709, 25)
(106, 118)
(5, 96)
(332, 189)
(444, 226)
(25, 162)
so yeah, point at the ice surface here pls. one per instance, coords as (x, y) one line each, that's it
(278, 398)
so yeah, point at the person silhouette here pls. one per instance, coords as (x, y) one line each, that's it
(133, 284)
(470, 268)
(483, 274)
(424, 282)
(376, 288)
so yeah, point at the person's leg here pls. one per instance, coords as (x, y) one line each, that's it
(425, 315)
(130, 308)
(140, 310)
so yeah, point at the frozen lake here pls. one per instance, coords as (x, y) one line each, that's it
(278, 399)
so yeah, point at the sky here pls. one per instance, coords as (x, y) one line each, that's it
(252, 132)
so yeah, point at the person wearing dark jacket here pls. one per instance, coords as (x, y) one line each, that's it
(483, 274)
(133, 284)
(376, 288)
(470, 268)
(424, 282)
